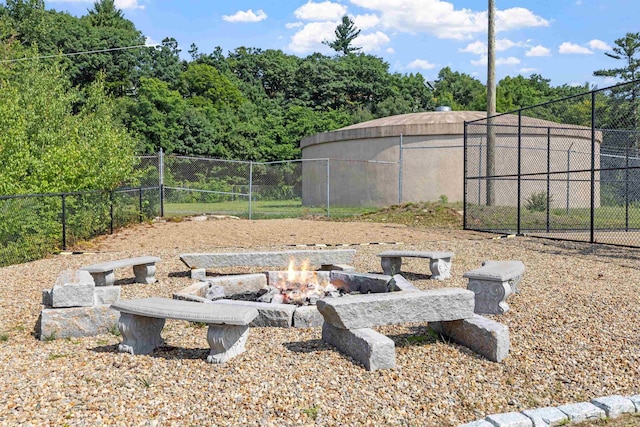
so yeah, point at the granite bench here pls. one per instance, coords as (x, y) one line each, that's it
(141, 322)
(144, 268)
(199, 262)
(440, 262)
(493, 283)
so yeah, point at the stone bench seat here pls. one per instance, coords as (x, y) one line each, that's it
(144, 268)
(440, 262)
(493, 283)
(199, 262)
(141, 322)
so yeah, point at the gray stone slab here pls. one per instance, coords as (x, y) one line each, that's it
(479, 423)
(315, 258)
(365, 311)
(403, 284)
(497, 271)
(337, 267)
(439, 262)
(238, 284)
(76, 322)
(417, 254)
(73, 288)
(546, 417)
(372, 349)
(614, 405)
(307, 316)
(164, 308)
(361, 282)
(102, 267)
(578, 412)
(106, 294)
(199, 273)
(480, 334)
(510, 419)
(278, 315)
(636, 401)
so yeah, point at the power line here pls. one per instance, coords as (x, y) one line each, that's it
(86, 52)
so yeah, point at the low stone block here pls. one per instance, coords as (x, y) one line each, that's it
(366, 311)
(278, 315)
(215, 292)
(76, 322)
(546, 417)
(579, 412)
(268, 259)
(47, 297)
(510, 419)
(106, 295)
(480, 334)
(307, 316)
(238, 284)
(73, 288)
(372, 349)
(614, 406)
(199, 274)
(479, 423)
(361, 282)
(336, 267)
(403, 284)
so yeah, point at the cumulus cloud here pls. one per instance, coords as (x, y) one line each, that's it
(311, 36)
(441, 19)
(422, 64)
(291, 25)
(538, 50)
(527, 70)
(599, 45)
(477, 48)
(248, 16)
(512, 60)
(483, 60)
(372, 42)
(568, 48)
(325, 11)
(364, 22)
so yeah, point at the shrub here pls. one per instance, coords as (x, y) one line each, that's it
(537, 202)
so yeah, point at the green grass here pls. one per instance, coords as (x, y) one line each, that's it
(262, 209)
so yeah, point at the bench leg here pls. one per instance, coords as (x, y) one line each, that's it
(440, 268)
(140, 334)
(491, 296)
(226, 341)
(391, 265)
(106, 278)
(145, 273)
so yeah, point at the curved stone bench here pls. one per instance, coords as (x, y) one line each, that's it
(493, 283)
(440, 262)
(144, 268)
(141, 322)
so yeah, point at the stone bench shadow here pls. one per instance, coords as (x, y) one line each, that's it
(308, 346)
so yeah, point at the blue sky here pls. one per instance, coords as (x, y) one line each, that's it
(563, 40)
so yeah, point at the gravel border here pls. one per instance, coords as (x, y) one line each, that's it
(573, 328)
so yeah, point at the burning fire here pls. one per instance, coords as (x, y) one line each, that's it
(301, 286)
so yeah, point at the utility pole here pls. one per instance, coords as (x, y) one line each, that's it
(491, 102)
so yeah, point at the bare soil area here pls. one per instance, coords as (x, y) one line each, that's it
(574, 332)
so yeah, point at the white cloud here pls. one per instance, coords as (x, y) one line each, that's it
(372, 42)
(248, 16)
(512, 60)
(325, 11)
(567, 47)
(291, 25)
(440, 18)
(599, 45)
(390, 50)
(148, 41)
(477, 48)
(527, 70)
(421, 63)
(504, 44)
(310, 37)
(364, 22)
(480, 61)
(538, 50)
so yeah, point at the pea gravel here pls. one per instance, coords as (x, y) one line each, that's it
(575, 335)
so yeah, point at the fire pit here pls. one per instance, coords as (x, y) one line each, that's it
(287, 298)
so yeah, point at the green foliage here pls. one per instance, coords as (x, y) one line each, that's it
(537, 202)
(4, 337)
(312, 412)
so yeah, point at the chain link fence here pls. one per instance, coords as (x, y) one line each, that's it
(568, 169)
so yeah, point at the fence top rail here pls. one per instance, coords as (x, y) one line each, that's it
(75, 193)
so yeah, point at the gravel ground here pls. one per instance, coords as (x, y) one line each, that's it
(574, 336)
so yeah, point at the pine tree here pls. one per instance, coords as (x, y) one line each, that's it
(346, 32)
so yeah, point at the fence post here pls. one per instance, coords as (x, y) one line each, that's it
(328, 186)
(64, 223)
(161, 180)
(548, 178)
(250, 188)
(568, 176)
(626, 188)
(400, 161)
(480, 171)
(519, 171)
(464, 176)
(140, 204)
(111, 212)
(593, 165)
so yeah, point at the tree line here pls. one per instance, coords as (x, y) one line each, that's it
(61, 113)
